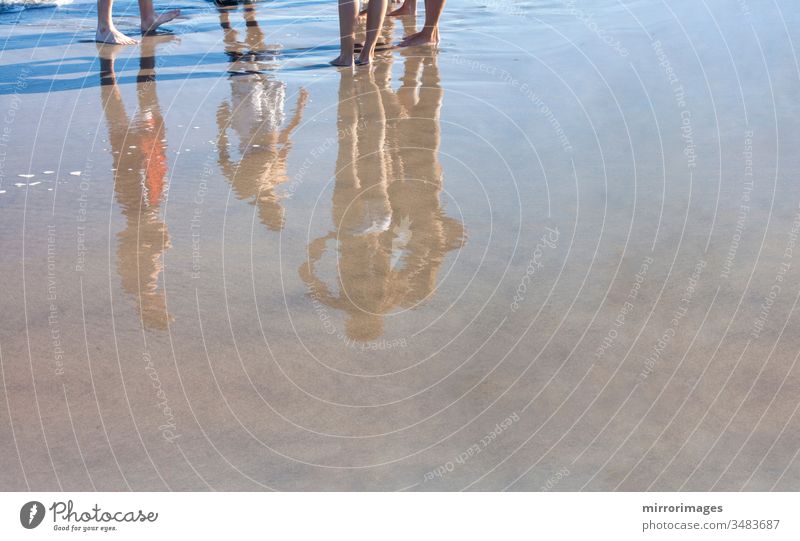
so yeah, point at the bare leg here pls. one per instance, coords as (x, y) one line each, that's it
(429, 34)
(106, 32)
(409, 7)
(375, 14)
(363, 11)
(348, 13)
(384, 42)
(152, 20)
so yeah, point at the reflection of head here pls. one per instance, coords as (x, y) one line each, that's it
(364, 327)
(140, 248)
(391, 231)
(271, 211)
(140, 172)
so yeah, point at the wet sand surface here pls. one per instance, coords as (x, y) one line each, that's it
(555, 253)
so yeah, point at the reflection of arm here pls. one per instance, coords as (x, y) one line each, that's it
(302, 99)
(285, 134)
(318, 290)
(223, 155)
(425, 258)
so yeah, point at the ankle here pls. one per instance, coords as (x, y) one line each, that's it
(148, 20)
(347, 44)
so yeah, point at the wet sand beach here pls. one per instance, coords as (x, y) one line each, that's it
(556, 252)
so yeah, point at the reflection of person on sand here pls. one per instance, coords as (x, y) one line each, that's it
(391, 230)
(255, 114)
(140, 168)
(150, 21)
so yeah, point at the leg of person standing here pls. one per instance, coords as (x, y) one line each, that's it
(429, 35)
(150, 20)
(106, 31)
(348, 11)
(375, 15)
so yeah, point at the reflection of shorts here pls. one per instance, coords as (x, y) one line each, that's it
(258, 104)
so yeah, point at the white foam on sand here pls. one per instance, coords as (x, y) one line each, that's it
(17, 5)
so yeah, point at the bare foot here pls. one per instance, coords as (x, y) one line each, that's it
(420, 38)
(403, 10)
(380, 46)
(149, 25)
(342, 61)
(365, 57)
(112, 36)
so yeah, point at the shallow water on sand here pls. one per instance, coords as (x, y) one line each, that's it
(554, 253)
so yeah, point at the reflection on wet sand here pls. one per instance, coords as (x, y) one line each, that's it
(138, 147)
(255, 113)
(391, 231)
